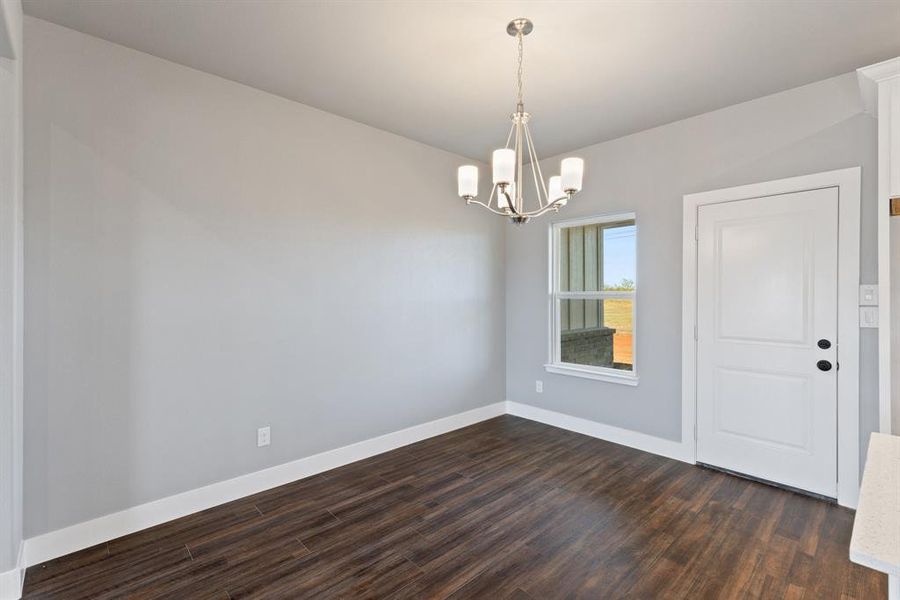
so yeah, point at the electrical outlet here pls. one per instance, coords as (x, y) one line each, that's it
(539, 386)
(263, 436)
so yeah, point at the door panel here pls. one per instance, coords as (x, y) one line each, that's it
(762, 269)
(767, 292)
(745, 399)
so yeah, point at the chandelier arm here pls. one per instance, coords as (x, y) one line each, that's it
(490, 208)
(520, 202)
(541, 211)
(538, 163)
(509, 137)
(534, 173)
(491, 197)
(509, 201)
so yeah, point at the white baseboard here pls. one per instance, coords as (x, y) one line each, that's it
(11, 581)
(625, 437)
(11, 585)
(89, 533)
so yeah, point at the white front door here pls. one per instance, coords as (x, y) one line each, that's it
(767, 338)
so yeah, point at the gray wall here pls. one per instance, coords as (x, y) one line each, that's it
(203, 258)
(814, 128)
(10, 283)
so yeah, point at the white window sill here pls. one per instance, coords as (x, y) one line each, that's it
(606, 376)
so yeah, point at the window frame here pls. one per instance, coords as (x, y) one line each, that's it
(554, 296)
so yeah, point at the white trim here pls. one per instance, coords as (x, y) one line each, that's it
(607, 375)
(601, 295)
(596, 219)
(12, 581)
(20, 562)
(554, 362)
(88, 533)
(881, 71)
(875, 85)
(885, 325)
(11, 584)
(625, 437)
(870, 76)
(848, 183)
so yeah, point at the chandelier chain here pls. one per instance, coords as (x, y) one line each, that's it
(519, 73)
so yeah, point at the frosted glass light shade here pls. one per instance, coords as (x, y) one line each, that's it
(571, 171)
(555, 190)
(504, 162)
(467, 181)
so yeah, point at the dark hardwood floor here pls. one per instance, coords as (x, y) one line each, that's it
(505, 509)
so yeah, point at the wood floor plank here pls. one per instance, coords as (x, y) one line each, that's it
(504, 509)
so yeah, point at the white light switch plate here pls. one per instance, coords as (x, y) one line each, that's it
(868, 295)
(868, 316)
(539, 386)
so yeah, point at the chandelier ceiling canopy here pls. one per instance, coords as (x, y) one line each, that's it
(507, 163)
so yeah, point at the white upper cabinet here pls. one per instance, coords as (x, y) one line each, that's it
(880, 86)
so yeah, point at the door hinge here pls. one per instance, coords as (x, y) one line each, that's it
(696, 233)
(695, 332)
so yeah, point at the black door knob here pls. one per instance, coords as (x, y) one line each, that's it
(824, 365)
(823, 344)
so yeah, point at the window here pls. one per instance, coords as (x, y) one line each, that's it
(592, 298)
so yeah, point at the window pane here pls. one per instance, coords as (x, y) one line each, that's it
(597, 257)
(597, 333)
(618, 257)
(618, 315)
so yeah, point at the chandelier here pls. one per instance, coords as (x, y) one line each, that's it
(507, 163)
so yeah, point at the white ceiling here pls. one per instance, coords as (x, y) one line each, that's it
(443, 72)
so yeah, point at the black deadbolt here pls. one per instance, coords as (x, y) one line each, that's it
(824, 344)
(824, 365)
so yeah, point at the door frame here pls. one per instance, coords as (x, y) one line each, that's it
(847, 181)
